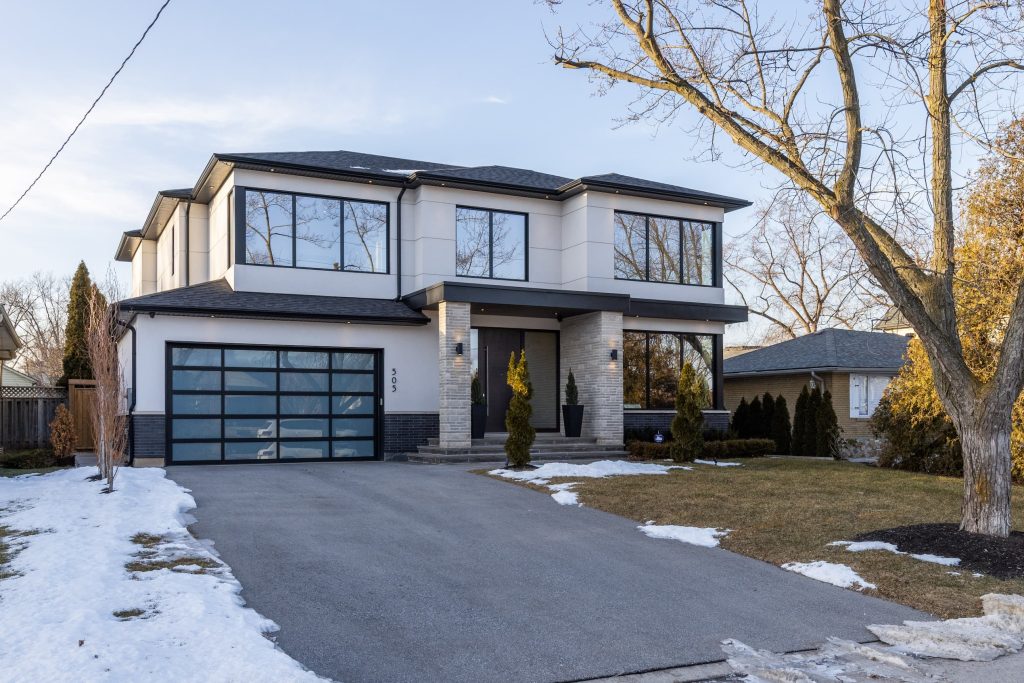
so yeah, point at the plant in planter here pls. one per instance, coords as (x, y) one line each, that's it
(517, 419)
(572, 411)
(478, 408)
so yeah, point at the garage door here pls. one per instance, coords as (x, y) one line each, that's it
(266, 404)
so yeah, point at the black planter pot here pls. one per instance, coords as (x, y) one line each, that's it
(572, 420)
(478, 420)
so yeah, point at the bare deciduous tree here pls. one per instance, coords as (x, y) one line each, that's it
(797, 269)
(38, 307)
(863, 107)
(108, 419)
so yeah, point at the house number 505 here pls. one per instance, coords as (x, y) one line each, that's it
(394, 380)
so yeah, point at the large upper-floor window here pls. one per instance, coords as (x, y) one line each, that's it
(490, 244)
(308, 231)
(660, 249)
(652, 362)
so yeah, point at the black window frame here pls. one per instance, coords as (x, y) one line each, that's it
(490, 243)
(377, 394)
(716, 389)
(240, 227)
(716, 249)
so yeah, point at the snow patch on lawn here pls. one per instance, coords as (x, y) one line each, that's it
(693, 535)
(829, 572)
(71, 577)
(861, 546)
(595, 470)
(564, 495)
(718, 464)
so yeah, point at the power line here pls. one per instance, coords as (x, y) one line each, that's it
(88, 111)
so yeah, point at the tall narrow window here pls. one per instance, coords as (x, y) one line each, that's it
(268, 228)
(661, 249)
(490, 244)
(172, 250)
(230, 223)
(366, 234)
(317, 233)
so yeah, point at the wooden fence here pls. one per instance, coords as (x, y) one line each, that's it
(80, 403)
(25, 416)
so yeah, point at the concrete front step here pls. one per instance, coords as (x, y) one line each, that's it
(536, 449)
(442, 458)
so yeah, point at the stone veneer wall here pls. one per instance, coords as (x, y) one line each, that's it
(403, 432)
(454, 375)
(587, 342)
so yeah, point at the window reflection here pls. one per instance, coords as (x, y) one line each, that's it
(652, 362)
(660, 249)
(490, 244)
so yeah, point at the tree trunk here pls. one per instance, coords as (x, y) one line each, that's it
(985, 439)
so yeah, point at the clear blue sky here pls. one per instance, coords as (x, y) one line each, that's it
(461, 82)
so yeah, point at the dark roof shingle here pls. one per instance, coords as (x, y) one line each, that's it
(216, 298)
(824, 350)
(405, 170)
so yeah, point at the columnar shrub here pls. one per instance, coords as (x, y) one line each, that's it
(798, 445)
(517, 419)
(572, 393)
(476, 391)
(688, 424)
(741, 417)
(827, 435)
(755, 420)
(767, 414)
(782, 430)
(811, 422)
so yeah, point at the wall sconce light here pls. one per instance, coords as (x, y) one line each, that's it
(458, 349)
(615, 354)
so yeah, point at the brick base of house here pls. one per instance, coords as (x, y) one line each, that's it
(403, 432)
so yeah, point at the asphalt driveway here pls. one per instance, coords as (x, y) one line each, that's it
(398, 572)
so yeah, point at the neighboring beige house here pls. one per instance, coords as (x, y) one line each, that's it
(855, 366)
(894, 322)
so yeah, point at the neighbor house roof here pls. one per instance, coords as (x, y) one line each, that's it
(217, 299)
(827, 351)
(9, 340)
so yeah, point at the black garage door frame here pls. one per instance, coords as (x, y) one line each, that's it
(218, 391)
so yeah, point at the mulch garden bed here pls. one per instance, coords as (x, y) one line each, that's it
(1002, 558)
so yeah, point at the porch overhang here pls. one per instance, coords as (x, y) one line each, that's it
(535, 302)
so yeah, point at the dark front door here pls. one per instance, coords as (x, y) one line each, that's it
(495, 347)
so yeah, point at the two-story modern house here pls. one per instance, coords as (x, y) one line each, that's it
(335, 305)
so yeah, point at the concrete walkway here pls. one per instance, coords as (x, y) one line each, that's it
(400, 572)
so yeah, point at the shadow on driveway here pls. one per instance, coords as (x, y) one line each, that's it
(398, 572)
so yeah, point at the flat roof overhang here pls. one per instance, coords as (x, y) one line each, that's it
(536, 302)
